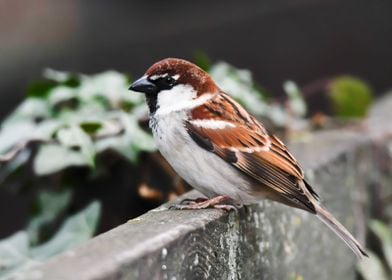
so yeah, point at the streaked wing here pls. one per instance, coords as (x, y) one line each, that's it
(243, 142)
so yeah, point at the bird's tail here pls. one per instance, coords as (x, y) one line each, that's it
(341, 231)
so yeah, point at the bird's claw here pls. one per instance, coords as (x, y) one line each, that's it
(190, 201)
(219, 202)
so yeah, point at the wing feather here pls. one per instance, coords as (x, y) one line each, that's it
(253, 151)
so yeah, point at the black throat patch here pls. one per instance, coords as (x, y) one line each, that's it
(152, 100)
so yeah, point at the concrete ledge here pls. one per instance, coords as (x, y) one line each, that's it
(264, 241)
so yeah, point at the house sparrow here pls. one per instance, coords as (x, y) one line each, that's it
(216, 146)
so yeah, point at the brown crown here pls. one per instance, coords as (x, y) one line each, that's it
(188, 72)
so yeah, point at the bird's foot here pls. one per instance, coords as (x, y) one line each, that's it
(218, 202)
(190, 201)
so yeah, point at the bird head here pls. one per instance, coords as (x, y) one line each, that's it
(173, 80)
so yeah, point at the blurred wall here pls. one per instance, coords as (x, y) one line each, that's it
(277, 39)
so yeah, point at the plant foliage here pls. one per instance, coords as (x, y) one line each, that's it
(18, 251)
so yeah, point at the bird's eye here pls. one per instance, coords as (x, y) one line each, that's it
(169, 80)
(165, 82)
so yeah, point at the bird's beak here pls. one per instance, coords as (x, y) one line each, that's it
(144, 85)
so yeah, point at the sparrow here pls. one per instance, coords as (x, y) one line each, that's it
(220, 149)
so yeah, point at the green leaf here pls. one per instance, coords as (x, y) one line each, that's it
(11, 135)
(121, 144)
(29, 110)
(384, 233)
(76, 230)
(15, 133)
(351, 97)
(91, 127)
(296, 102)
(73, 137)
(111, 85)
(101, 101)
(40, 89)
(12, 166)
(50, 205)
(131, 142)
(62, 78)
(202, 60)
(56, 75)
(72, 81)
(141, 140)
(240, 85)
(52, 158)
(61, 94)
(14, 253)
(46, 129)
(372, 268)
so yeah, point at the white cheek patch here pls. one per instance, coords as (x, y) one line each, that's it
(180, 97)
(212, 124)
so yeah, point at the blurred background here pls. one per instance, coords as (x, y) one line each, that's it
(307, 41)
(277, 40)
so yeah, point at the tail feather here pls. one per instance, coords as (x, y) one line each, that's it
(341, 231)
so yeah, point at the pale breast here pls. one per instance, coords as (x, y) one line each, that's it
(202, 169)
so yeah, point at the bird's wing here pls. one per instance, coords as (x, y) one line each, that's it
(238, 138)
